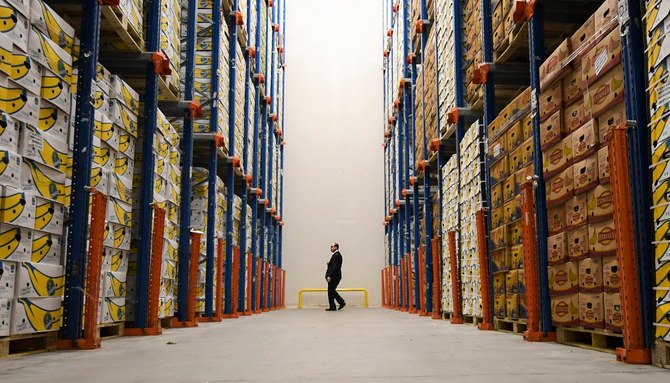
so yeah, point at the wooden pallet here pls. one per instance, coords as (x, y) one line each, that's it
(27, 344)
(592, 339)
(447, 316)
(473, 320)
(167, 91)
(114, 19)
(166, 322)
(511, 326)
(660, 355)
(516, 47)
(111, 330)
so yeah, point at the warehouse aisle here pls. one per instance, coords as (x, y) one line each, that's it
(315, 346)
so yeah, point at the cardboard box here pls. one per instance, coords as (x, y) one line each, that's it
(516, 160)
(527, 152)
(497, 216)
(557, 158)
(602, 240)
(119, 212)
(553, 65)
(32, 315)
(56, 91)
(113, 310)
(499, 280)
(515, 260)
(21, 104)
(600, 205)
(603, 57)
(124, 167)
(8, 278)
(613, 312)
(46, 248)
(118, 260)
(25, 72)
(551, 100)
(611, 277)
(10, 168)
(38, 179)
(499, 260)
(40, 280)
(49, 215)
(514, 136)
(603, 165)
(572, 85)
(9, 134)
(557, 249)
(100, 179)
(551, 130)
(120, 90)
(499, 305)
(565, 310)
(6, 56)
(512, 282)
(585, 141)
(123, 117)
(512, 305)
(560, 187)
(510, 188)
(49, 22)
(497, 195)
(499, 170)
(114, 284)
(556, 219)
(574, 116)
(586, 174)
(564, 278)
(605, 92)
(576, 213)
(591, 275)
(17, 244)
(46, 52)
(583, 38)
(55, 122)
(611, 118)
(119, 190)
(5, 316)
(578, 243)
(17, 207)
(527, 127)
(605, 15)
(522, 281)
(512, 210)
(106, 132)
(591, 310)
(45, 149)
(516, 233)
(17, 30)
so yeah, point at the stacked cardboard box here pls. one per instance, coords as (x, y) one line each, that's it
(450, 185)
(510, 154)
(398, 59)
(504, 27)
(658, 63)
(580, 102)
(446, 61)
(171, 16)
(471, 162)
(425, 102)
(472, 23)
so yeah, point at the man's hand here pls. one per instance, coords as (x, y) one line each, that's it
(328, 279)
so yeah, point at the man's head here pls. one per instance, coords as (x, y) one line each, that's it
(334, 247)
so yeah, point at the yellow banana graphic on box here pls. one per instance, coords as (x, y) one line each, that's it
(124, 194)
(52, 157)
(124, 143)
(4, 160)
(52, 87)
(41, 319)
(663, 274)
(8, 18)
(6, 58)
(118, 286)
(121, 166)
(127, 123)
(104, 130)
(101, 156)
(56, 33)
(117, 260)
(129, 99)
(48, 118)
(9, 242)
(56, 64)
(116, 312)
(99, 100)
(12, 206)
(122, 215)
(21, 65)
(43, 284)
(96, 177)
(44, 214)
(661, 252)
(14, 99)
(203, 60)
(41, 247)
(119, 236)
(45, 186)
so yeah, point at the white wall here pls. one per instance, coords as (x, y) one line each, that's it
(333, 158)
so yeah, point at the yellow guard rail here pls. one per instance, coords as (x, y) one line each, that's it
(364, 291)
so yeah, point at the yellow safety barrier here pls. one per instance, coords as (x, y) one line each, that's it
(364, 291)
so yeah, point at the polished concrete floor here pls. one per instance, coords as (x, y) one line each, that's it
(311, 345)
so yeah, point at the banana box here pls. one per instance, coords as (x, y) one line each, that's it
(603, 57)
(32, 315)
(611, 118)
(101, 101)
(550, 101)
(16, 244)
(114, 284)
(119, 212)
(49, 215)
(56, 91)
(46, 248)
(54, 122)
(17, 207)
(25, 72)
(591, 310)
(576, 212)
(510, 187)
(591, 275)
(602, 241)
(117, 236)
(585, 141)
(119, 190)
(585, 174)
(605, 92)
(557, 246)
(171, 249)
(14, 25)
(574, 116)
(173, 213)
(104, 156)
(565, 310)
(660, 139)
(118, 260)
(10, 168)
(613, 312)
(499, 305)
(599, 203)
(572, 85)
(45, 149)
(106, 131)
(497, 195)
(47, 21)
(551, 130)
(133, 15)
(499, 170)
(124, 168)
(9, 132)
(113, 310)
(6, 55)
(19, 103)
(169, 269)
(560, 187)
(564, 278)
(40, 280)
(558, 157)
(126, 143)
(556, 216)
(122, 116)
(46, 52)
(121, 91)
(5, 316)
(100, 179)
(8, 278)
(578, 243)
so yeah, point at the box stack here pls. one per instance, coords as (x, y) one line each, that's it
(472, 22)
(450, 216)
(580, 102)
(425, 102)
(505, 30)
(398, 64)
(657, 65)
(510, 154)
(264, 27)
(446, 61)
(471, 161)
(171, 15)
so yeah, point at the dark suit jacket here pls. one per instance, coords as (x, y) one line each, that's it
(334, 271)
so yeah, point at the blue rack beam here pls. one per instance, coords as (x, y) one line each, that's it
(81, 174)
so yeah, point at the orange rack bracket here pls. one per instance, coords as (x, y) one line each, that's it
(481, 74)
(161, 63)
(453, 115)
(195, 109)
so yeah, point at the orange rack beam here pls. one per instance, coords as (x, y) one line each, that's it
(457, 318)
(192, 286)
(487, 322)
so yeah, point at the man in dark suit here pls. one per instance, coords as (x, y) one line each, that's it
(333, 277)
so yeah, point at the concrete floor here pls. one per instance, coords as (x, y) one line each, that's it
(312, 345)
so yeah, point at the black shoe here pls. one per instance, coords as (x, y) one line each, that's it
(342, 305)
(331, 310)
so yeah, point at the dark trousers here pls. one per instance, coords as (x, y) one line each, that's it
(332, 293)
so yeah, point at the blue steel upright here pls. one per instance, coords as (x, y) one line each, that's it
(413, 257)
(408, 126)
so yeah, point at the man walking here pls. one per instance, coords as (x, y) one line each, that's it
(333, 277)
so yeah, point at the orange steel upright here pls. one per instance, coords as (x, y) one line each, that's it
(533, 333)
(457, 317)
(487, 322)
(266, 283)
(218, 305)
(247, 307)
(396, 298)
(437, 313)
(235, 282)
(192, 285)
(633, 350)
(410, 284)
(383, 289)
(259, 264)
(422, 281)
(90, 339)
(403, 275)
(283, 289)
(273, 282)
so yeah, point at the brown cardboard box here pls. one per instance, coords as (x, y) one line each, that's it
(574, 116)
(603, 165)
(523, 175)
(494, 127)
(512, 305)
(499, 260)
(586, 174)
(522, 281)
(498, 148)
(509, 22)
(610, 119)
(512, 282)
(551, 100)
(564, 278)
(600, 203)
(591, 310)
(585, 141)
(499, 283)
(557, 219)
(514, 136)
(523, 311)
(580, 39)
(553, 65)
(602, 241)
(515, 260)
(560, 187)
(499, 170)
(499, 304)
(516, 159)
(510, 188)
(613, 313)
(500, 237)
(572, 85)
(516, 233)
(497, 195)
(611, 277)
(527, 151)
(603, 57)
(576, 213)
(557, 249)
(512, 210)
(557, 158)
(497, 17)
(605, 14)
(551, 130)
(591, 275)
(565, 310)
(527, 127)
(605, 92)
(499, 36)
(578, 243)
(497, 216)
